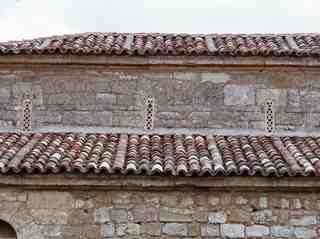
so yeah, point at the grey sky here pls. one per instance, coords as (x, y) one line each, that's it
(21, 19)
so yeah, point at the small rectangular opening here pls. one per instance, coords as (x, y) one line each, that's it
(269, 116)
(149, 113)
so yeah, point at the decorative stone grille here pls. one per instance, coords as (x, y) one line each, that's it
(149, 113)
(26, 115)
(269, 116)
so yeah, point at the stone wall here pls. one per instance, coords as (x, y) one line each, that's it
(57, 214)
(188, 98)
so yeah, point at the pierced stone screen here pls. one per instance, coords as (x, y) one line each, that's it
(269, 116)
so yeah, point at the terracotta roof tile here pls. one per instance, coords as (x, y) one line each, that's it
(142, 44)
(175, 155)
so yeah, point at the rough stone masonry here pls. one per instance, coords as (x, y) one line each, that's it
(207, 98)
(57, 214)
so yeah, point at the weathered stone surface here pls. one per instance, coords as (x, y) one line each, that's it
(295, 119)
(106, 99)
(175, 229)
(175, 215)
(232, 230)
(281, 231)
(278, 96)
(119, 215)
(263, 216)
(241, 200)
(90, 231)
(207, 95)
(263, 202)
(213, 200)
(305, 233)
(310, 100)
(47, 117)
(49, 216)
(31, 231)
(102, 215)
(121, 197)
(296, 203)
(193, 229)
(239, 95)
(87, 118)
(152, 228)
(303, 221)
(145, 214)
(217, 217)
(21, 89)
(121, 229)
(187, 76)
(51, 230)
(133, 229)
(81, 217)
(293, 98)
(285, 203)
(215, 77)
(50, 200)
(257, 231)
(107, 230)
(210, 230)
(5, 94)
(239, 215)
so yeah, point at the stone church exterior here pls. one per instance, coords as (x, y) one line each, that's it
(109, 135)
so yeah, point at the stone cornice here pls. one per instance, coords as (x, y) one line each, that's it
(170, 61)
(102, 182)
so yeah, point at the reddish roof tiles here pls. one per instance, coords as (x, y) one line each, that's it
(169, 44)
(176, 155)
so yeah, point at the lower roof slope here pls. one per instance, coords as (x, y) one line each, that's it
(173, 155)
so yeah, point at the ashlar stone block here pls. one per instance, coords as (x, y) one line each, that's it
(232, 230)
(281, 231)
(217, 217)
(175, 229)
(304, 221)
(239, 95)
(305, 233)
(211, 230)
(107, 230)
(102, 215)
(257, 231)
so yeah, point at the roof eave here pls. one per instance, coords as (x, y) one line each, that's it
(150, 183)
(192, 61)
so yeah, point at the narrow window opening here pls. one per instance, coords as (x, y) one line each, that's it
(149, 113)
(269, 116)
(26, 121)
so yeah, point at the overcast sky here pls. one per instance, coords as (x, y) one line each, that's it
(23, 19)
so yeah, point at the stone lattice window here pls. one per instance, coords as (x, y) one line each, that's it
(269, 123)
(149, 113)
(25, 115)
(6, 231)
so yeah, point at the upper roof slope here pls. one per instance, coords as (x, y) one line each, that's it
(144, 44)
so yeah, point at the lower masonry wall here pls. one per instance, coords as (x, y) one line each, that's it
(160, 214)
